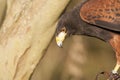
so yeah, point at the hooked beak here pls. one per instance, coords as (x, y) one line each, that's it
(60, 38)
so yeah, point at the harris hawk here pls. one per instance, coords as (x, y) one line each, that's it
(95, 18)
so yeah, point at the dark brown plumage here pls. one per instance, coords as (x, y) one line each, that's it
(96, 18)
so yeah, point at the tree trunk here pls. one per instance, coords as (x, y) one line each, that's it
(25, 34)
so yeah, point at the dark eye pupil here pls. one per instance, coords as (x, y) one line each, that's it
(63, 30)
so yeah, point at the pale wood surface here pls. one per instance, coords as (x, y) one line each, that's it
(25, 34)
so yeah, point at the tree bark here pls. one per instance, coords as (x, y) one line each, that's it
(25, 34)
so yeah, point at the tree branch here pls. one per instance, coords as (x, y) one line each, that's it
(26, 32)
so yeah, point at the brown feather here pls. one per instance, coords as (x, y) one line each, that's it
(115, 43)
(103, 13)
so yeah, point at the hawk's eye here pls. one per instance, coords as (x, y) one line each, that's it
(63, 29)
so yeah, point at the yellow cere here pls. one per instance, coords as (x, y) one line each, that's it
(61, 36)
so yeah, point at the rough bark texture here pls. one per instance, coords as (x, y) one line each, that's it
(25, 34)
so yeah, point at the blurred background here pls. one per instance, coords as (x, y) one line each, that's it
(81, 58)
